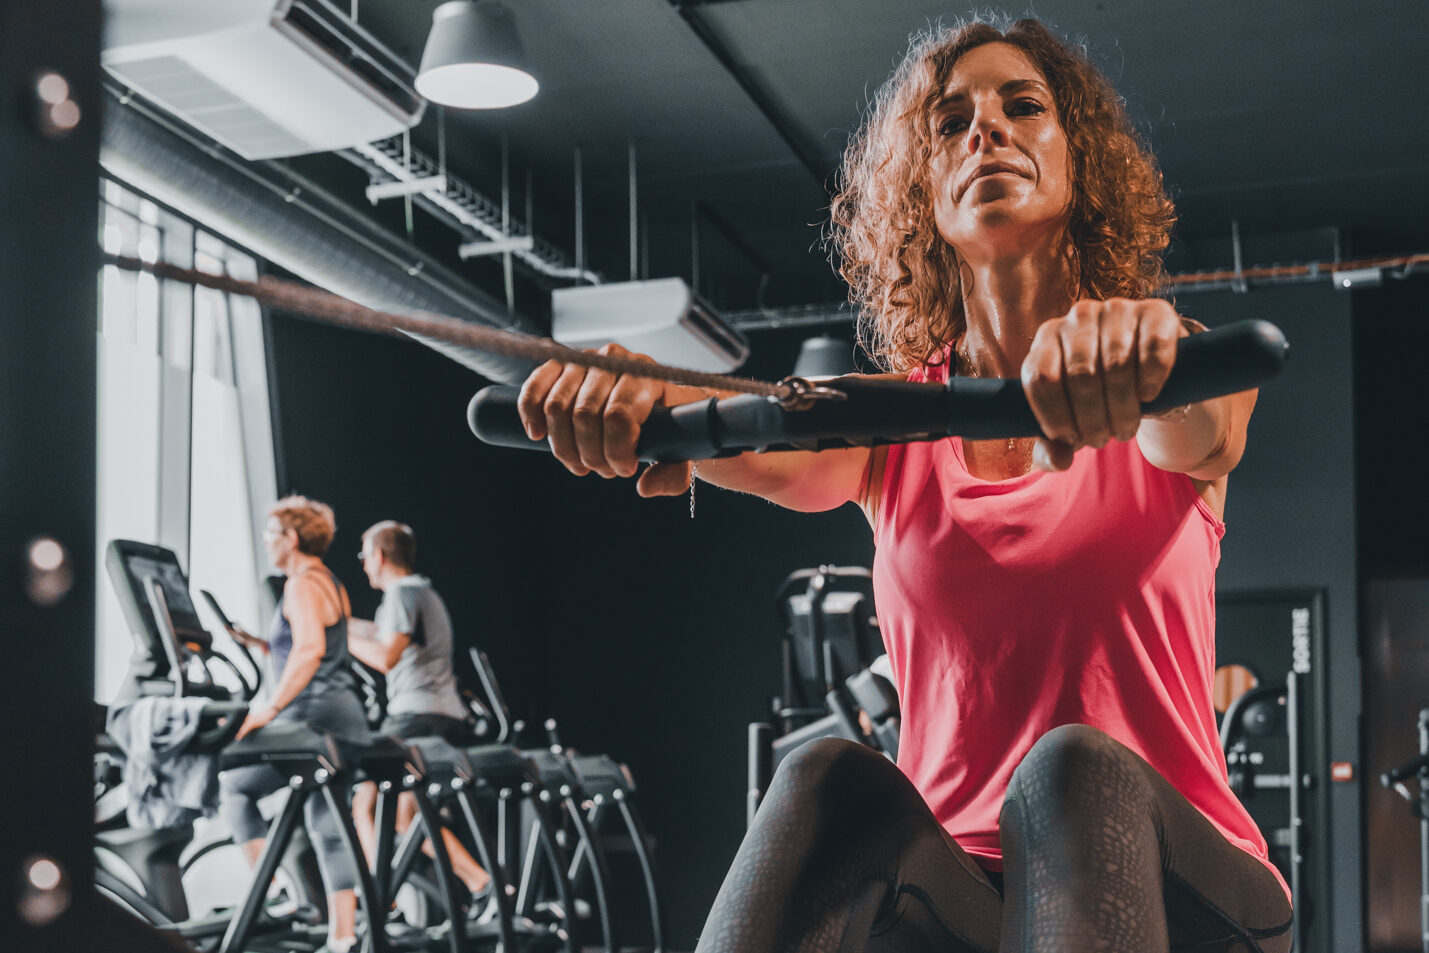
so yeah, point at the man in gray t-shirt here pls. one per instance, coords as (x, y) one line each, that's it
(410, 641)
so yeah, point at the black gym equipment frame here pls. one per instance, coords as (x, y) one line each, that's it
(49, 172)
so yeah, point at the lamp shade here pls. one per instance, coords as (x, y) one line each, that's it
(474, 58)
(823, 357)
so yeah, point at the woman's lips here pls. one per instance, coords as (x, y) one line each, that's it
(990, 169)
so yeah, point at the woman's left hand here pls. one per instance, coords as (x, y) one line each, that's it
(257, 718)
(1087, 374)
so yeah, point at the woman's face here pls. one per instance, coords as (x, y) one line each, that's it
(1000, 169)
(278, 541)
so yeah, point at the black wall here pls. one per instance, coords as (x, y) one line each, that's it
(48, 262)
(376, 427)
(1392, 419)
(647, 634)
(1290, 524)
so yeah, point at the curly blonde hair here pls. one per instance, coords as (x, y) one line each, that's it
(312, 521)
(903, 277)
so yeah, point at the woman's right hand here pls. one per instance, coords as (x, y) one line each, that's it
(246, 639)
(592, 420)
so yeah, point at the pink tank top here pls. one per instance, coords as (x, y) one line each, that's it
(1008, 609)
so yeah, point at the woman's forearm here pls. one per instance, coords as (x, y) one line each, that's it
(297, 673)
(798, 480)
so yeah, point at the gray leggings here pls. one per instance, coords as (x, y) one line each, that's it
(1100, 853)
(242, 788)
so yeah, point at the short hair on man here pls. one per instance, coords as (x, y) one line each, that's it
(396, 542)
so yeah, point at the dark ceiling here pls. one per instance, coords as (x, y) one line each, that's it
(1281, 115)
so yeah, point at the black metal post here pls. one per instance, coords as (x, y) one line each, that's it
(376, 916)
(647, 869)
(386, 836)
(49, 174)
(428, 820)
(280, 832)
(1424, 830)
(1297, 821)
(486, 854)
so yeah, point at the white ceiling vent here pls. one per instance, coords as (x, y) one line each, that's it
(267, 78)
(661, 318)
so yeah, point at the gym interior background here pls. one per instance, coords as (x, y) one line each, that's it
(1288, 134)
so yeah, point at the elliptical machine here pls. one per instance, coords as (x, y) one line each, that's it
(175, 672)
(829, 690)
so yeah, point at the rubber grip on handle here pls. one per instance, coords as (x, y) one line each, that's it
(1223, 361)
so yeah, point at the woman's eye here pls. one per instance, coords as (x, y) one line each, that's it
(1026, 107)
(952, 126)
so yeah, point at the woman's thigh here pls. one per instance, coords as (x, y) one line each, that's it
(845, 856)
(1101, 848)
(251, 782)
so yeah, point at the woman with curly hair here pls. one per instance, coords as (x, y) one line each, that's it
(1048, 605)
(315, 686)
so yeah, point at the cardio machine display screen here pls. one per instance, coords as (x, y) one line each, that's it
(176, 590)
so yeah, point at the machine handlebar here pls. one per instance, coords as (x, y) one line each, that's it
(875, 411)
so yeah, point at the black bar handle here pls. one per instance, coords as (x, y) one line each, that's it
(1224, 361)
(1404, 771)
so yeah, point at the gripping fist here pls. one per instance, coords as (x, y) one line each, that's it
(1087, 374)
(592, 420)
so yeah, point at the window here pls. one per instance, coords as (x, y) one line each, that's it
(185, 435)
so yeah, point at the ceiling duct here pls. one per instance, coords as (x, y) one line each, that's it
(266, 78)
(661, 318)
(281, 217)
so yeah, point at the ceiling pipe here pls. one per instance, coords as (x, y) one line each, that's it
(1346, 276)
(288, 220)
(634, 221)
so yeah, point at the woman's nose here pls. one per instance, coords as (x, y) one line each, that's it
(987, 130)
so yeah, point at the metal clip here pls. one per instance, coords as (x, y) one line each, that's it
(803, 394)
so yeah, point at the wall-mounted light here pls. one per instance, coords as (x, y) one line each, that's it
(474, 58)
(1359, 278)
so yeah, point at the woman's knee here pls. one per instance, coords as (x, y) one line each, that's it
(844, 779)
(1077, 761)
(826, 762)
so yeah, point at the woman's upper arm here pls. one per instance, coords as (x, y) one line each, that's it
(1206, 442)
(307, 607)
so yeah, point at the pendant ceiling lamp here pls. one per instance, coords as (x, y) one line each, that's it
(474, 58)
(823, 358)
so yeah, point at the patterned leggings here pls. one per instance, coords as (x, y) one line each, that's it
(1100, 853)
(240, 790)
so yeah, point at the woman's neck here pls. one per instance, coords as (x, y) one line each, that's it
(298, 563)
(1005, 301)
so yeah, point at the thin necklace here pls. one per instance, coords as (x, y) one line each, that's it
(963, 366)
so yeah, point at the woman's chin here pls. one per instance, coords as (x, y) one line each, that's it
(995, 228)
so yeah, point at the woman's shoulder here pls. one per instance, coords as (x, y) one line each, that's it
(315, 581)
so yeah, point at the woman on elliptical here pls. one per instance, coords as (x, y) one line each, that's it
(315, 685)
(1047, 604)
